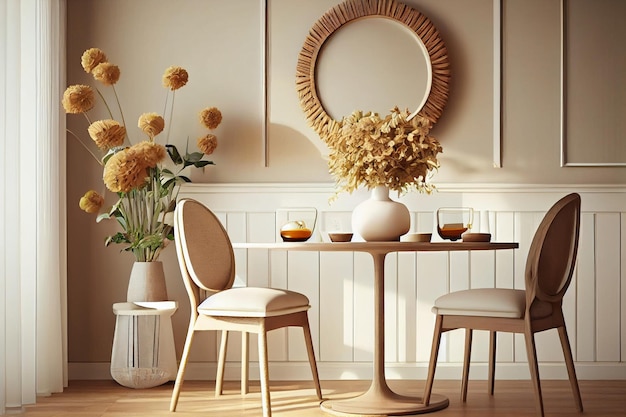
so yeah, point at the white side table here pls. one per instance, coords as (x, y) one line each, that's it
(143, 354)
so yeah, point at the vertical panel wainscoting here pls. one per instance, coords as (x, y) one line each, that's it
(339, 285)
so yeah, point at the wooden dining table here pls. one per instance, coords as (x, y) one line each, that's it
(379, 399)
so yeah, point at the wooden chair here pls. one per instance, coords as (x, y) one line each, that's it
(207, 264)
(549, 269)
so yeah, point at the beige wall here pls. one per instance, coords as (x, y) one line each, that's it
(218, 42)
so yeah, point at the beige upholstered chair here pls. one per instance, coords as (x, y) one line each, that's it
(549, 269)
(207, 264)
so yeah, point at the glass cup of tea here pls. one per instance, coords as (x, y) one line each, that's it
(452, 222)
(298, 223)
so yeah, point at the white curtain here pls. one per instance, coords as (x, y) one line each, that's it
(33, 334)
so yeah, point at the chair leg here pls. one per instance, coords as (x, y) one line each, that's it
(434, 352)
(531, 352)
(571, 371)
(245, 360)
(491, 379)
(221, 364)
(309, 347)
(181, 368)
(264, 374)
(466, 363)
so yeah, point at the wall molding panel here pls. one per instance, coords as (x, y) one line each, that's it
(339, 285)
(590, 84)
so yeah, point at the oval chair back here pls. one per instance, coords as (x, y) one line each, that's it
(552, 255)
(204, 250)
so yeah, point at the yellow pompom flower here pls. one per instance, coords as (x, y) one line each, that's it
(149, 153)
(107, 133)
(91, 202)
(175, 78)
(91, 58)
(124, 172)
(211, 117)
(106, 73)
(78, 99)
(207, 144)
(151, 124)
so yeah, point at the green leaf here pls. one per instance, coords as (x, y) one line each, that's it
(194, 156)
(110, 153)
(201, 164)
(153, 242)
(174, 154)
(122, 221)
(119, 237)
(171, 181)
(102, 216)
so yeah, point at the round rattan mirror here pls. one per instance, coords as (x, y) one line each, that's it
(349, 11)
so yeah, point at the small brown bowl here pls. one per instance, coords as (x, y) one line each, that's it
(340, 237)
(476, 237)
(416, 237)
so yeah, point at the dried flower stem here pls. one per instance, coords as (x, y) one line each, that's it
(87, 117)
(106, 104)
(119, 106)
(171, 115)
(142, 209)
(84, 146)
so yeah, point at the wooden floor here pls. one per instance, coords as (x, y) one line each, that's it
(297, 399)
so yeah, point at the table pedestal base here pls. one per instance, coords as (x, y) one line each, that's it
(392, 404)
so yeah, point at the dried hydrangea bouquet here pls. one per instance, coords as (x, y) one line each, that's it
(393, 153)
(137, 171)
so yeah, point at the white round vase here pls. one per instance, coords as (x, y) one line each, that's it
(380, 218)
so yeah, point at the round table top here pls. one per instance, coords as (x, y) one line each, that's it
(395, 246)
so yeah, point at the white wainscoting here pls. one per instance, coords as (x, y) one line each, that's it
(339, 285)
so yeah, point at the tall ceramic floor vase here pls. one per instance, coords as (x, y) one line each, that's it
(380, 218)
(147, 282)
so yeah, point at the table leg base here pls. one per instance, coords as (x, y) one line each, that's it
(396, 405)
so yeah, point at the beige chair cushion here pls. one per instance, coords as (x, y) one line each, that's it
(254, 302)
(489, 302)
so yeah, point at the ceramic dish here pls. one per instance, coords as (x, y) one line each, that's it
(476, 237)
(340, 237)
(416, 237)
